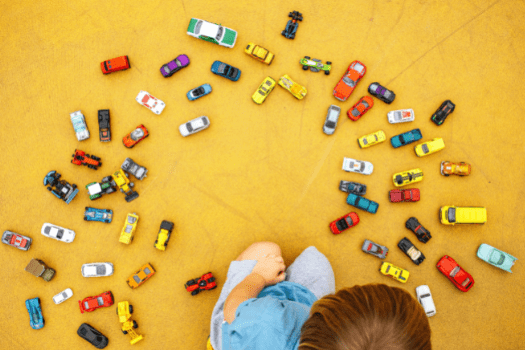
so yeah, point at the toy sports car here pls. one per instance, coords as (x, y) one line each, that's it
(459, 277)
(429, 147)
(360, 108)
(152, 103)
(423, 235)
(96, 302)
(115, 64)
(96, 190)
(375, 249)
(130, 225)
(298, 91)
(174, 66)
(134, 137)
(315, 65)
(357, 166)
(411, 251)
(259, 53)
(406, 195)
(395, 272)
(401, 116)
(348, 82)
(362, 203)
(94, 337)
(263, 90)
(81, 158)
(382, 93)
(225, 70)
(103, 125)
(449, 168)
(79, 125)
(58, 233)
(97, 269)
(344, 223)
(101, 215)
(194, 126)
(63, 296)
(442, 112)
(407, 177)
(199, 92)
(352, 187)
(62, 189)
(425, 299)
(15, 240)
(134, 169)
(406, 138)
(371, 139)
(164, 234)
(332, 116)
(206, 282)
(36, 319)
(121, 181)
(214, 33)
(292, 25)
(496, 257)
(141, 276)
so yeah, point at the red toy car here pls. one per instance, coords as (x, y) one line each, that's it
(344, 223)
(81, 158)
(461, 278)
(134, 137)
(408, 195)
(115, 64)
(92, 303)
(348, 82)
(206, 282)
(360, 108)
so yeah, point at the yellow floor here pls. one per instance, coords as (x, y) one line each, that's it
(259, 172)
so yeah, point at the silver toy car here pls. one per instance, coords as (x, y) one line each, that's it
(16, 240)
(357, 166)
(375, 249)
(134, 169)
(97, 269)
(194, 126)
(331, 119)
(79, 124)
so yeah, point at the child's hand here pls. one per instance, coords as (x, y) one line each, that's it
(271, 268)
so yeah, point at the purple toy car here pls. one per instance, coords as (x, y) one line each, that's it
(174, 66)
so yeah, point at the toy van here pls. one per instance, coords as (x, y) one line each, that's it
(450, 215)
(115, 64)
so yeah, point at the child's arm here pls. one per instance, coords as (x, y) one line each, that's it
(268, 271)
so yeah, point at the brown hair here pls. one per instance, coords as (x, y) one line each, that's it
(370, 317)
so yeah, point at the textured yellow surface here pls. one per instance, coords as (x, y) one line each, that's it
(259, 172)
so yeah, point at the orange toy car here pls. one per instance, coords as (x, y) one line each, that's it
(360, 108)
(348, 82)
(449, 168)
(141, 276)
(81, 158)
(115, 64)
(134, 137)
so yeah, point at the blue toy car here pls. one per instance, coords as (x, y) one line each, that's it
(292, 25)
(225, 70)
(496, 257)
(362, 203)
(36, 319)
(102, 215)
(198, 92)
(406, 138)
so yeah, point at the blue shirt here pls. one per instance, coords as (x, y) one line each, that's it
(273, 320)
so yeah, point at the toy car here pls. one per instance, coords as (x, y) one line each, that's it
(90, 304)
(425, 299)
(97, 269)
(16, 240)
(63, 296)
(352, 187)
(79, 125)
(263, 90)
(206, 282)
(423, 235)
(401, 116)
(407, 177)
(451, 215)
(134, 169)
(170, 68)
(406, 195)
(348, 82)
(362, 203)
(429, 147)
(292, 25)
(214, 33)
(360, 108)
(36, 319)
(164, 234)
(295, 89)
(442, 112)
(115, 64)
(357, 166)
(104, 127)
(344, 223)
(141, 276)
(375, 249)
(411, 251)
(315, 65)
(406, 138)
(101, 215)
(134, 137)
(449, 168)
(124, 311)
(120, 180)
(81, 158)
(332, 116)
(496, 257)
(382, 93)
(199, 92)
(147, 100)
(62, 189)
(94, 337)
(96, 190)
(225, 70)
(371, 139)
(126, 235)
(259, 53)
(40, 269)
(459, 277)
(395, 272)
(194, 126)
(58, 233)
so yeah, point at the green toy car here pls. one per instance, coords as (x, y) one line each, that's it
(212, 32)
(496, 257)
(315, 65)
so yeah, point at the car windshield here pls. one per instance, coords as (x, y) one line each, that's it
(348, 81)
(64, 295)
(451, 214)
(268, 82)
(365, 142)
(454, 271)
(131, 219)
(425, 296)
(358, 67)
(341, 225)
(401, 139)
(355, 112)
(362, 166)
(101, 269)
(136, 278)
(413, 253)
(220, 30)
(137, 134)
(166, 69)
(223, 67)
(100, 301)
(387, 93)
(198, 91)
(189, 127)
(86, 305)
(425, 148)
(198, 27)
(397, 116)
(333, 114)
(349, 221)
(465, 282)
(261, 93)
(365, 104)
(233, 72)
(330, 124)
(128, 228)
(496, 258)
(147, 271)
(387, 269)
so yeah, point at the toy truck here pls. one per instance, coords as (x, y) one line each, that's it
(40, 269)
(120, 180)
(124, 311)
(96, 190)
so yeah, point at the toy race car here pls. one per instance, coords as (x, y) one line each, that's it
(211, 32)
(134, 137)
(348, 82)
(16, 240)
(382, 93)
(407, 177)
(406, 195)
(332, 117)
(357, 166)
(352, 187)
(120, 180)
(115, 64)
(199, 92)
(411, 251)
(315, 65)
(344, 223)
(455, 273)
(94, 337)
(371, 139)
(423, 235)
(429, 147)
(406, 138)
(496, 257)
(96, 190)
(126, 235)
(81, 158)
(360, 108)
(60, 188)
(104, 127)
(63, 296)
(292, 25)
(225, 70)
(263, 90)
(59, 233)
(425, 299)
(149, 101)
(206, 282)
(164, 234)
(174, 66)
(141, 276)
(375, 249)
(362, 203)
(394, 272)
(449, 168)
(34, 308)
(298, 91)
(96, 302)
(194, 126)
(102, 269)
(259, 53)
(79, 125)
(442, 112)
(101, 215)
(134, 169)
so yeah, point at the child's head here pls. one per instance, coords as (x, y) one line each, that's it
(371, 317)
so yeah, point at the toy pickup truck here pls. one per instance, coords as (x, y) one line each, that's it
(40, 269)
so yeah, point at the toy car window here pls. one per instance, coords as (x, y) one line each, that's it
(166, 69)
(377, 139)
(60, 234)
(136, 278)
(198, 27)
(362, 166)
(358, 67)
(355, 112)
(233, 72)
(137, 134)
(496, 257)
(100, 301)
(348, 81)
(401, 139)
(365, 142)
(454, 271)
(349, 221)
(64, 295)
(101, 270)
(365, 104)
(261, 92)
(341, 225)
(330, 124)
(220, 30)
(268, 82)
(387, 268)
(82, 331)
(47, 229)
(147, 271)
(387, 93)
(86, 305)
(425, 148)
(128, 228)
(451, 214)
(204, 121)
(189, 127)
(465, 282)
(222, 68)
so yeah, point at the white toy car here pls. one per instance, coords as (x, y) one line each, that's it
(97, 269)
(58, 233)
(357, 166)
(331, 119)
(401, 116)
(63, 296)
(212, 32)
(425, 299)
(194, 126)
(79, 124)
(148, 101)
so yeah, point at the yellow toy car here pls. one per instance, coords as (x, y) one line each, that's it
(407, 177)
(371, 139)
(120, 180)
(264, 90)
(164, 235)
(395, 272)
(295, 89)
(429, 147)
(259, 53)
(124, 311)
(451, 215)
(126, 236)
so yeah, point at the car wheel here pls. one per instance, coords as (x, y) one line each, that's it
(300, 19)
(125, 332)
(135, 325)
(117, 310)
(85, 219)
(327, 72)
(290, 14)
(131, 309)
(305, 67)
(195, 292)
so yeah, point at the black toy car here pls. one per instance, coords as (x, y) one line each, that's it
(411, 251)
(382, 93)
(103, 125)
(292, 25)
(423, 235)
(93, 336)
(60, 188)
(352, 187)
(442, 112)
